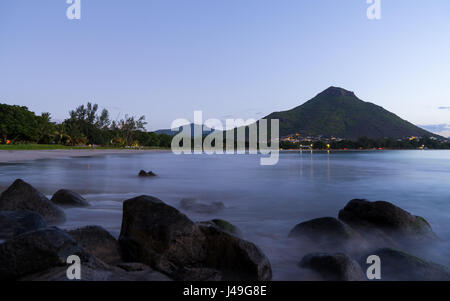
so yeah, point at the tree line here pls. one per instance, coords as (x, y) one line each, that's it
(367, 143)
(86, 125)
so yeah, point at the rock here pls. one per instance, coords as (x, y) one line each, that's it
(328, 232)
(400, 266)
(386, 218)
(143, 173)
(67, 198)
(333, 267)
(235, 258)
(162, 237)
(13, 223)
(98, 242)
(194, 206)
(22, 196)
(224, 226)
(37, 251)
(102, 273)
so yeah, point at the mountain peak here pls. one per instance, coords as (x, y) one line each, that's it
(337, 91)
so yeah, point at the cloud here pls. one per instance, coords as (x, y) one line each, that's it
(440, 129)
(444, 108)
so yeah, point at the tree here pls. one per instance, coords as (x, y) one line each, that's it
(17, 123)
(125, 130)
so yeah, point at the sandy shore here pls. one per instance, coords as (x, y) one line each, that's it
(15, 156)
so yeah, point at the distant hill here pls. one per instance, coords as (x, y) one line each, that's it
(204, 130)
(339, 113)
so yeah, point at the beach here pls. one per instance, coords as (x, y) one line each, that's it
(17, 156)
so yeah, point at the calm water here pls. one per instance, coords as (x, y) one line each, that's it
(265, 202)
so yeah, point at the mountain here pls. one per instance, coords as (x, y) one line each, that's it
(198, 127)
(340, 113)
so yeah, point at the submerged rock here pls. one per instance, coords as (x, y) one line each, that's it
(13, 223)
(333, 267)
(67, 198)
(162, 237)
(194, 206)
(400, 266)
(386, 218)
(144, 173)
(37, 251)
(328, 233)
(22, 196)
(98, 242)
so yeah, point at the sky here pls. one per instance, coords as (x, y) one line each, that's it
(229, 58)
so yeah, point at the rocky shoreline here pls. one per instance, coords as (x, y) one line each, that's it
(159, 243)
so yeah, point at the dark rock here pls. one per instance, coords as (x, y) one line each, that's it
(235, 258)
(144, 173)
(328, 232)
(160, 236)
(194, 206)
(95, 273)
(13, 223)
(37, 251)
(224, 226)
(22, 196)
(386, 218)
(400, 266)
(333, 267)
(67, 198)
(98, 242)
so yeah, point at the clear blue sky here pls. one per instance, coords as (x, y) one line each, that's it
(229, 58)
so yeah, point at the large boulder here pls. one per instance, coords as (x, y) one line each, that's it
(22, 196)
(333, 267)
(67, 198)
(13, 223)
(327, 232)
(400, 266)
(197, 207)
(37, 251)
(98, 242)
(383, 218)
(162, 237)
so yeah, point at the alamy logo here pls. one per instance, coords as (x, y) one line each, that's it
(374, 10)
(238, 136)
(73, 12)
(374, 270)
(74, 270)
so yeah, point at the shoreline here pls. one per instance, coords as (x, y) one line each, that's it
(21, 156)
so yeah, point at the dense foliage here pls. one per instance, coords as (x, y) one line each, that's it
(85, 126)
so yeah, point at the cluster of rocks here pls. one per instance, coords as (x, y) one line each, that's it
(156, 242)
(363, 229)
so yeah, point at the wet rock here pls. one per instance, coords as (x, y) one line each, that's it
(162, 237)
(13, 223)
(383, 217)
(144, 173)
(333, 267)
(67, 198)
(98, 242)
(194, 206)
(224, 226)
(400, 266)
(22, 196)
(37, 251)
(328, 232)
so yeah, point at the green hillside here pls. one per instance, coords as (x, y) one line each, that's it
(339, 113)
